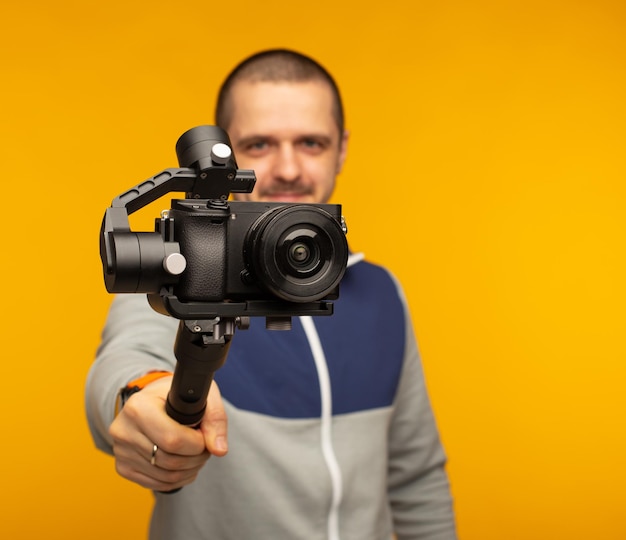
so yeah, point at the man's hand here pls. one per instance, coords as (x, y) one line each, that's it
(181, 451)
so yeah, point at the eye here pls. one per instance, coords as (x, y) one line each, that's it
(255, 147)
(313, 145)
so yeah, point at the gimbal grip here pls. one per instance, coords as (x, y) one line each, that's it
(199, 355)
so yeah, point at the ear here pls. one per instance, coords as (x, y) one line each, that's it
(343, 150)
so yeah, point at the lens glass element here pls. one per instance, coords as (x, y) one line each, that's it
(300, 250)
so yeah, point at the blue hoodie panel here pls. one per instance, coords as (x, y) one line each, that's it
(273, 372)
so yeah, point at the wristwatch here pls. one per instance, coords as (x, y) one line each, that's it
(134, 386)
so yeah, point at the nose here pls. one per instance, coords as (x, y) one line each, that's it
(286, 167)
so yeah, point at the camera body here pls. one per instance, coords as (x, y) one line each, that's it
(240, 251)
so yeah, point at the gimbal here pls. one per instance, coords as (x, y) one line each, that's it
(213, 264)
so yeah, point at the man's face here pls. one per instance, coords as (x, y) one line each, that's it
(286, 132)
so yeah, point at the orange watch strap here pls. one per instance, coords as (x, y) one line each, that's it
(146, 379)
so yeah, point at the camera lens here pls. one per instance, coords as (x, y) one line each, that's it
(297, 252)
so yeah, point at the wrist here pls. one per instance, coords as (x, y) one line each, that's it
(136, 385)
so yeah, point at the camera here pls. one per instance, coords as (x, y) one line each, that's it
(258, 251)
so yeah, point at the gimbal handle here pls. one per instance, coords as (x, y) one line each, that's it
(212, 183)
(201, 348)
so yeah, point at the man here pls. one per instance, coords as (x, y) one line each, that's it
(330, 432)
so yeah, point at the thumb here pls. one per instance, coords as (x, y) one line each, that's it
(214, 425)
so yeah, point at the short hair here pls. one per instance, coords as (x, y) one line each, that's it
(276, 65)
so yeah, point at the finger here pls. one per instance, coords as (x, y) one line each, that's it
(134, 447)
(158, 457)
(214, 425)
(157, 466)
(153, 477)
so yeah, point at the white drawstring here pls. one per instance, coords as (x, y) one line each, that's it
(326, 430)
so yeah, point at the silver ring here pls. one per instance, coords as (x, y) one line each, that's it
(155, 449)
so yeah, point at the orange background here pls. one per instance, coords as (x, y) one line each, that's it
(486, 169)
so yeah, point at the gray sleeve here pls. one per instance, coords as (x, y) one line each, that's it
(135, 339)
(419, 491)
